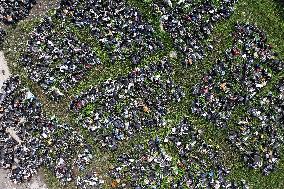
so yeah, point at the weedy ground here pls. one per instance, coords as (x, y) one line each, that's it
(268, 15)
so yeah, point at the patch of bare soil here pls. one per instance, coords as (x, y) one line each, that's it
(35, 183)
(42, 7)
(4, 71)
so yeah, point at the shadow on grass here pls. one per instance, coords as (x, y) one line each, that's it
(280, 7)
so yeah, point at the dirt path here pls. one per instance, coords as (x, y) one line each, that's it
(4, 71)
(5, 183)
(41, 7)
(35, 183)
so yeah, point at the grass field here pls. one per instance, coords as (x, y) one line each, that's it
(268, 15)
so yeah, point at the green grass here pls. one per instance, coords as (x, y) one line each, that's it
(255, 177)
(268, 15)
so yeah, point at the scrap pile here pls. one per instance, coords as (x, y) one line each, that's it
(235, 79)
(56, 59)
(182, 159)
(120, 29)
(117, 109)
(259, 134)
(12, 11)
(29, 140)
(190, 23)
(137, 108)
